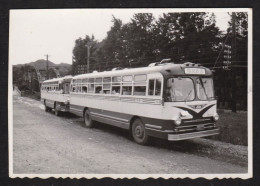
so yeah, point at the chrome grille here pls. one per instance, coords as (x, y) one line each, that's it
(197, 127)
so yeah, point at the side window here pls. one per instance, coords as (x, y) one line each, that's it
(91, 86)
(139, 90)
(158, 86)
(151, 87)
(140, 85)
(116, 90)
(154, 87)
(126, 90)
(98, 89)
(106, 85)
(116, 85)
(73, 88)
(66, 88)
(98, 86)
(84, 89)
(141, 77)
(127, 78)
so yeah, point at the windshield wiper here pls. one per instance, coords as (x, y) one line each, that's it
(188, 95)
(202, 84)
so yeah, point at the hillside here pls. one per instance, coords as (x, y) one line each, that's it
(41, 64)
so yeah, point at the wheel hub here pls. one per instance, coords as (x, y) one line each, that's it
(139, 131)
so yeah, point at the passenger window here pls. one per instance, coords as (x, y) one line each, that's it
(151, 87)
(66, 88)
(98, 90)
(78, 88)
(127, 78)
(73, 89)
(98, 80)
(116, 79)
(127, 90)
(154, 87)
(116, 90)
(158, 85)
(106, 86)
(79, 81)
(84, 89)
(91, 88)
(139, 90)
(84, 80)
(140, 77)
(91, 80)
(107, 79)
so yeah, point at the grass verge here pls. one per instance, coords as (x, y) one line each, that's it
(233, 128)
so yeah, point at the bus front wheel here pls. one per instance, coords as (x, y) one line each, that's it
(89, 123)
(138, 132)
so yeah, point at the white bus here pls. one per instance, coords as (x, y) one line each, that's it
(164, 100)
(55, 94)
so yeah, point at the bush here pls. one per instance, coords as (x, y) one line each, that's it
(233, 128)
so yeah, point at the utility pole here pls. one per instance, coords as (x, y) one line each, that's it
(88, 58)
(47, 67)
(234, 85)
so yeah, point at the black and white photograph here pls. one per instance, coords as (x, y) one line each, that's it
(130, 93)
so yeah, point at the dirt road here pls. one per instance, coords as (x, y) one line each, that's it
(44, 143)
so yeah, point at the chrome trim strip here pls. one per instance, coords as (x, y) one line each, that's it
(153, 126)
(111, 117)
(159, 130)
(77, 110)
(177, 137)
(197, 120)
(123, 122)
(194, 125)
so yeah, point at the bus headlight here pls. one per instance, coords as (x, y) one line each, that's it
(216, 117)
(177, 121)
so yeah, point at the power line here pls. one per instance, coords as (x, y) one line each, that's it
(221, 50)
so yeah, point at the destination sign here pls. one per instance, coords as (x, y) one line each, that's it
(194, 71)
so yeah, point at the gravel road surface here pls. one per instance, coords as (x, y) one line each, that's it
(46, 144)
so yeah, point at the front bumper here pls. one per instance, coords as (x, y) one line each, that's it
(63, 107)
(177, 137)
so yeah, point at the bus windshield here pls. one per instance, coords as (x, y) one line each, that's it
(180, 89)
(204, 87)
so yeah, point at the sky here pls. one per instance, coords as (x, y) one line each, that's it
(35, 33)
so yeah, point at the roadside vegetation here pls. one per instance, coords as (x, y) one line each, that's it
(233, 128)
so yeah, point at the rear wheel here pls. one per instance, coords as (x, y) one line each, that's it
(46, 108)
(138, 132)
(56, 111)
(89, 123)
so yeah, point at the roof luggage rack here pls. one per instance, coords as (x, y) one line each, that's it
(163, 61)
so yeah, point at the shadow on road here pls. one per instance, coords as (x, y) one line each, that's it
(193, 147)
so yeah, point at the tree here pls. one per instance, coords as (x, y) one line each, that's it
(187, 36)
(80, 49)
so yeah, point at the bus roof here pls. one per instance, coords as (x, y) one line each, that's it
(59, 80)
(166, 69)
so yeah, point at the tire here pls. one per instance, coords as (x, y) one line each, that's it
(89, 123)
(46, 108)
(138, 132)
(57, 112)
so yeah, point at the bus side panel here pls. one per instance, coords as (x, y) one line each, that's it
(76, 109)
(112, 118)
